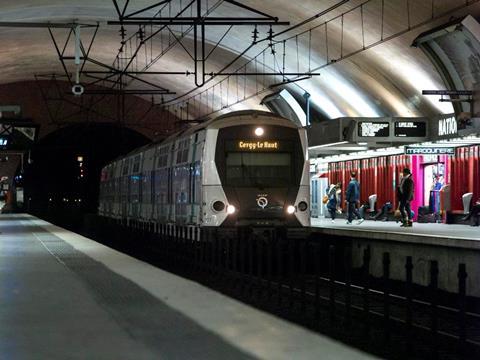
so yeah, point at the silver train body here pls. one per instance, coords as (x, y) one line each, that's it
(245, 168)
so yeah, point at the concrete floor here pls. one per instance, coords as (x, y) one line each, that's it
(63, 296)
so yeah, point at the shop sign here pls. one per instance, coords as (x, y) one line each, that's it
(447, 126)
(417, 150)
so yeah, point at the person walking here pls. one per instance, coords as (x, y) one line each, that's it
(405, 192)
(352, 197)
(333, 202)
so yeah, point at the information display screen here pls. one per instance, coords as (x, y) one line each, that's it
(3, 142)
(373, 129)
(410, 129)
(17, 135)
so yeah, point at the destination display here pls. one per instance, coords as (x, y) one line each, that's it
(417, 150)
(373, 129)
(265, 145)
(410, 129)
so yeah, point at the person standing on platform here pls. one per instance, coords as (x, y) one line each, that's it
(333, 202)
(352, 197)
(405, 192)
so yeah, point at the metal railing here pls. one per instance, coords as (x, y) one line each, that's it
(318, 287)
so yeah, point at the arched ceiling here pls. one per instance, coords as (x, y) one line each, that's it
(385, 79)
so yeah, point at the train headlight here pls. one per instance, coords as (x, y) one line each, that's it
(231, 209)
(259, 131)
(218, 206)
(290, 209)
(302, 206)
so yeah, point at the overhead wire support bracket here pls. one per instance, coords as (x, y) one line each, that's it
(20, 24)
(190, 21)
(198, 23)
(146, 9)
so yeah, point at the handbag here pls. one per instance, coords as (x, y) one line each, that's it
(325, 199)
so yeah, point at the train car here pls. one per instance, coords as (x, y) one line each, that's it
(247, 168)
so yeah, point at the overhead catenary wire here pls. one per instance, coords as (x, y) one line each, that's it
(344, 54)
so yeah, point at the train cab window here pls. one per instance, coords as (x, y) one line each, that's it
(259, 169)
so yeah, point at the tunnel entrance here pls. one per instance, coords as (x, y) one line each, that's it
(62, 178)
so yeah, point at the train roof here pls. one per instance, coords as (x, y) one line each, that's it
(203, 125)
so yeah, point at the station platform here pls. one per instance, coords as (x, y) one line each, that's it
(450, 235)
(448, 244)
(65, 296)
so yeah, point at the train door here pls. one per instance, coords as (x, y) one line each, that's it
(319, 186)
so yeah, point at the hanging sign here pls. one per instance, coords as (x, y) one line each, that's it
(447, 126)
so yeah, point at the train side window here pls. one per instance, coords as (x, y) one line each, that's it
(178, 153)
(125, 167)
(152, 187)
(192, 184)
(162, 157)
(169, 191)
(136, 164)
(197, 182)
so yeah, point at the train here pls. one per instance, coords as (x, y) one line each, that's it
(242, 169)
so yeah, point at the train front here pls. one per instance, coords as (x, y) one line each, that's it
(263, 170)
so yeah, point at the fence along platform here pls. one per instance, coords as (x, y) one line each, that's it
(321, 287)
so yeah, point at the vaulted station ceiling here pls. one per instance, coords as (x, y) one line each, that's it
(360, 49)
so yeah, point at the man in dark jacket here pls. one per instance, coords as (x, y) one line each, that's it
(405, 192)
(352, 197)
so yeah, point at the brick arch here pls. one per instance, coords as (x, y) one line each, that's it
(50, 104)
